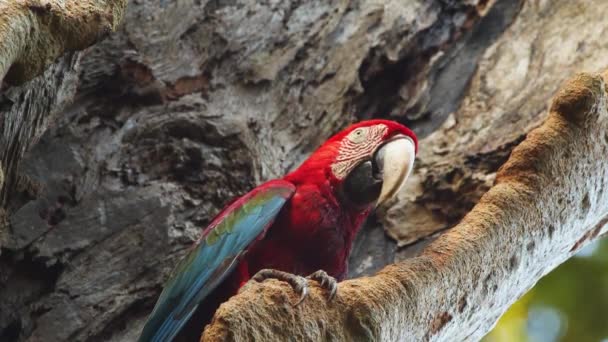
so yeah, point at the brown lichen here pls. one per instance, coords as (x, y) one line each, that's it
(439, 322)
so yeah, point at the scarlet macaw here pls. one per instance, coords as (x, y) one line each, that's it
(302, 224)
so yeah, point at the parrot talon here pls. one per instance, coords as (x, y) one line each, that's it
(298, 283)
(304, 294)
(327, 282)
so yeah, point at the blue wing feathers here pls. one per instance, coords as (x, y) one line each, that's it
(214, 257)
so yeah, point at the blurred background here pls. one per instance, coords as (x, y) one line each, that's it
(569, 304)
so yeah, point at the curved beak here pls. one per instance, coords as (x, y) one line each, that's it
(395, 161)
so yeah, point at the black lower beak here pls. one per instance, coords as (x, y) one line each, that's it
(363, 185)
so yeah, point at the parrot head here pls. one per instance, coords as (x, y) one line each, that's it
(367, 163)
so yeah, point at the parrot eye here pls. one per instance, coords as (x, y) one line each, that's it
(358, 135)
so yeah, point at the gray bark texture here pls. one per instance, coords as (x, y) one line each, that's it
(150, 132)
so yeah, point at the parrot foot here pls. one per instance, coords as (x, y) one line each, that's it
(327, 282)
(298, 283)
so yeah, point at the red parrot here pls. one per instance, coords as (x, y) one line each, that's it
(304, 223)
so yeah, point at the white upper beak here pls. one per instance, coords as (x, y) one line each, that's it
(397, 160)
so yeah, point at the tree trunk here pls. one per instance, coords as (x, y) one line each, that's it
(194, 102)
(36, 38)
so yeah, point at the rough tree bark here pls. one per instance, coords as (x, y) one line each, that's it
(193, 102)
(41, 37)
(548, 201)
(38, 38)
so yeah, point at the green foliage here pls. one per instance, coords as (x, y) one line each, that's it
(569, 304)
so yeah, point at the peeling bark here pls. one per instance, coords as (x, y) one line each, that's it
(27, 112)
(548, 201)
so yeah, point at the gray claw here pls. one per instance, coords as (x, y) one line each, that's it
(333, 291)
(327, 282)
(298, 283)
(303, 295)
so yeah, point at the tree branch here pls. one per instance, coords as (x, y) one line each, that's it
(547, 202)
(33, 33)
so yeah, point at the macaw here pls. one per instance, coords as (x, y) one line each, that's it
(304, 223)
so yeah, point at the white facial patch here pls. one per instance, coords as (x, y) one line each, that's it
(356, 146)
